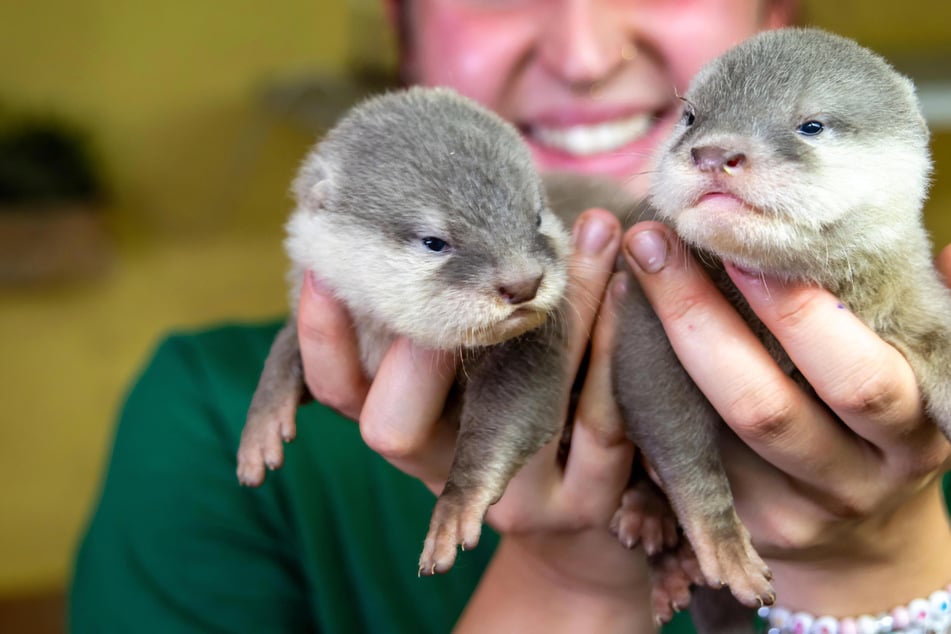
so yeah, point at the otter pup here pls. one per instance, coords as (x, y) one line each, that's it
(803, 156)
(425, 215)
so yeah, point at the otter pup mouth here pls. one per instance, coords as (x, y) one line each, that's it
(723, 201)
(522, 319)
(720, 198)
(521, 312)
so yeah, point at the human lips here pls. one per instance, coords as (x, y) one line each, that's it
(611, 142)
(587, 139)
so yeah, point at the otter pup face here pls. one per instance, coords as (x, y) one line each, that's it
(795, 148)
(425, 214)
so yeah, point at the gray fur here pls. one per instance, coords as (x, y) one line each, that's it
(841, 209)
(397, 172)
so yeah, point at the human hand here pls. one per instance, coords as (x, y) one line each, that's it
(553, 514)
(839, 494)
(944, 264)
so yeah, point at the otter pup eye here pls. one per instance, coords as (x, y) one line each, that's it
(538, 220)
(434, 244)
(689, 116)
(811, 128)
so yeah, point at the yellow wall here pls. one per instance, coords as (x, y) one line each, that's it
(913, 25)
(913, 31)
(171, 92)
(169, 89)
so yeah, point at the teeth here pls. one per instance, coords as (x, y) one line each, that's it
(594, 139)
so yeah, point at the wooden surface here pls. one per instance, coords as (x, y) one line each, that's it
(33, 614)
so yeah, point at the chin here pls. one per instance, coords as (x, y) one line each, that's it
(509, 328)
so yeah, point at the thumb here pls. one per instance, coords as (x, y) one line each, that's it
(944, 264)
(329, 351)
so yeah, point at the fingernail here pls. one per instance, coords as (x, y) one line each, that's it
(753, 276)
(619, 285)
(649, 250)
(752, 283)
(593, 236)
(316, 284)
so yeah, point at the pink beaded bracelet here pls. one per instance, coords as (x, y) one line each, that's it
(920, 616)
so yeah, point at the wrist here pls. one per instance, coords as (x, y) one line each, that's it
(570, 582)
(885, 563)
(581, 563)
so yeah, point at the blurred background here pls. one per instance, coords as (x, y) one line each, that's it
(159, 141)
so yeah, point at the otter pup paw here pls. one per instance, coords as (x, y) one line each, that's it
(670, 582)
(262, 442)
(645, 517)
(456, 521)
(727, 558)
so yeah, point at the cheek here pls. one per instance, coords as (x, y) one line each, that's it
(892, 181)
(689, 33)
(476, 52)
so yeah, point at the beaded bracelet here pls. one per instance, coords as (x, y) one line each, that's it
(921, 616)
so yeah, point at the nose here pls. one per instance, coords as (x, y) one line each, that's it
(711, 158)
(583, 42)
(520, 290)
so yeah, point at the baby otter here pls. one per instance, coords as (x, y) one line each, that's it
(425, 215)
(803, 156)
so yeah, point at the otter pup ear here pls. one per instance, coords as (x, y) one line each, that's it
(315, 196)
(312, 184)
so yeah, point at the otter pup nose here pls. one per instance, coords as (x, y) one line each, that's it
(520, 291)
(711, 158)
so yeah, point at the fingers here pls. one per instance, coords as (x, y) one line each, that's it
(863, 379)
(601, 456)
(401, 416)
(943, 263)
(732, 368)
(596, 236)
(542, 495)
(329, 352)
(400, 412)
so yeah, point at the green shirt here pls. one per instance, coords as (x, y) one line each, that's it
(329, 543)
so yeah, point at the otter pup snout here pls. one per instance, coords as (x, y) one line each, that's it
(711, 158)
(521, 290)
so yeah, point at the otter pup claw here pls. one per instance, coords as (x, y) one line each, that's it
(645, 517)
(670, 586)
(456, 523)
